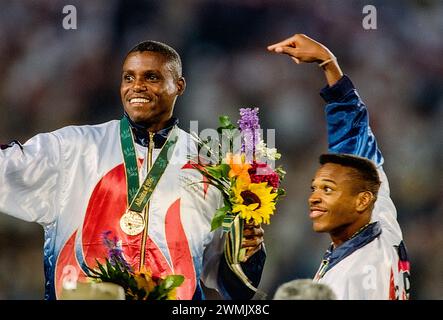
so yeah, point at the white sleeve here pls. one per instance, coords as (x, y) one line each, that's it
(384, 209)
(30, 177)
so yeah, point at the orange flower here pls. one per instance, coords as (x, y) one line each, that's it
(238, 167)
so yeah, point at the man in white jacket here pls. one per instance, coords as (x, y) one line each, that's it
(350, 193)
(129, 178)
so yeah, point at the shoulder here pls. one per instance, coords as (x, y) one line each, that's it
(385, 210)
(87, 131)
(369, 255)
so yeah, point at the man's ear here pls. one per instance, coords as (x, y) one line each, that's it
(364, 200)
(181, 86)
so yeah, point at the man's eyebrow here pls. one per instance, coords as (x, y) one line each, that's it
(327, 180)
(151, 71)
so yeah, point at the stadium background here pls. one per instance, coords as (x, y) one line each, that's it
(54, 77)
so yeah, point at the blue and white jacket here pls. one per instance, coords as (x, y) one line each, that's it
(374, 264)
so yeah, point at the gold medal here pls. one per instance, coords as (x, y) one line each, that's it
(132, 223)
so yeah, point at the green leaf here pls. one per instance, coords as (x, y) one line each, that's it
(227, 202)
(165, 286)
(220, 214)
(117, 267)
(281, 173)
(218, 172)
(102, 269)
(225, 168)
(281, 192)
(224, 121)
(96, 274)
(214, 172)
(111, 270)
(172, 281)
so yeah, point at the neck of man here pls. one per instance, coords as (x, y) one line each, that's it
(161, 131)
(153, 127)
(349, 231)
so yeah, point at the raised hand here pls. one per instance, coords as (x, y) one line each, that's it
(301, 48)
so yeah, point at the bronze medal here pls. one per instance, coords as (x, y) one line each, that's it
(132, 223)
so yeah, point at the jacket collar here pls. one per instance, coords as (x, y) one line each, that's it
(141, 135)
(334, 256)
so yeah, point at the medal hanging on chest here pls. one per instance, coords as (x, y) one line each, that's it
(132, 221)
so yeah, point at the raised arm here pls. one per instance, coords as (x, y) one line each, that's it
(346, 114)
(29, 176)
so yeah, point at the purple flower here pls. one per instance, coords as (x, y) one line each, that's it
(115, 251)
(249, 127)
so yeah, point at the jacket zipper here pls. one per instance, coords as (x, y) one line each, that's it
(146, 210)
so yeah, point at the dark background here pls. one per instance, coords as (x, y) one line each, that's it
(52, 77)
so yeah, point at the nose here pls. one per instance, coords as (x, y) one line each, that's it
(314, 198)
(139, 86)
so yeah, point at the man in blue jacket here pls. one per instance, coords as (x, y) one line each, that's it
(350, 193)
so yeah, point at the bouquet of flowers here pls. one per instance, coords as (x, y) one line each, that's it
(138, 285)
(241, 167)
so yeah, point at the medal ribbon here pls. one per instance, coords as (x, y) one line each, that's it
(138, 197)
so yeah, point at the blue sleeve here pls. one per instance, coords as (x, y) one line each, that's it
(348, 122)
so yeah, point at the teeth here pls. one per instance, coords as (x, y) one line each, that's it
(139, 100)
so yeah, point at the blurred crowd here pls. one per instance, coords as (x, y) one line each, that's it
(55, 77)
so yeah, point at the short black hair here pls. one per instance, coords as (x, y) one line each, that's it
(168, 52)
(364, 174)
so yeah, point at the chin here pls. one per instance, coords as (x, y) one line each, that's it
(318, 227)
(139, 120)
(140, 117)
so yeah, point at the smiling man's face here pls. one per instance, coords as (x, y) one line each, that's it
(149, 88)
(333, 199)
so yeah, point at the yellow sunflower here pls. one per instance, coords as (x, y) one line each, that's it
(144, 280)
(254, 201)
